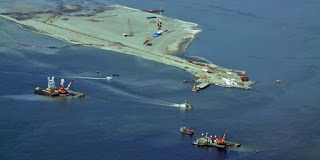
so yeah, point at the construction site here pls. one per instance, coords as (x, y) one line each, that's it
(135, 32)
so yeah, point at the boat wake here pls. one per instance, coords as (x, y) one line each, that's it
(27, 97)
(159, 102)
(22, 73)
(95, 78)
(132, 96)
(175, 105)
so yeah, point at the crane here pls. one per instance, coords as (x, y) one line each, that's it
(131, 33)
(63, 90)
(70, 83)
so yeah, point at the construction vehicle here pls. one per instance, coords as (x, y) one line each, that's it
(131, 33)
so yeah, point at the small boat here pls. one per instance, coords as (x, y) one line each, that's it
(278, 81)
(79, 95)
(195, 89)
(185, 130)
(185, 105)
(109, 78)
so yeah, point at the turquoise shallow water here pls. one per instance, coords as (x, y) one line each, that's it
(130, 117)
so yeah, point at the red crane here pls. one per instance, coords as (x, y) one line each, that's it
(63, 90)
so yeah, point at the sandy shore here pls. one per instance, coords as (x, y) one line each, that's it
(104, 30)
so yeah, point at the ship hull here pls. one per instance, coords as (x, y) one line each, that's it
(44, 92)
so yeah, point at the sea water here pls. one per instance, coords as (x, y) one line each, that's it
(132, 116)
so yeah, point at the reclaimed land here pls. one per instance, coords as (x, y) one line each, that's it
(104, 30)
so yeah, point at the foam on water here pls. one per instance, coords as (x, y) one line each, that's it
(135, 97)
(28, 97)
(95, 78)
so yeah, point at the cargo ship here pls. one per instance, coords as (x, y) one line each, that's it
(53, 91)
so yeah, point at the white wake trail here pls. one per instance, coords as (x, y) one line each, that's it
(95, 78)
(139, 98)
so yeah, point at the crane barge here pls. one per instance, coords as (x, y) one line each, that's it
(53, 91)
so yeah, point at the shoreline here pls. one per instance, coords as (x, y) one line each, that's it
(176, 41)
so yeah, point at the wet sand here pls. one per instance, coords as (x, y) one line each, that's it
(104, 30)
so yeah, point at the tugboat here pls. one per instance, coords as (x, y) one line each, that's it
(195, 89)
(184, 130)
(53, 91)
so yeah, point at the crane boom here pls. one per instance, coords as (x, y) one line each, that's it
(130, 26)
(70, 83)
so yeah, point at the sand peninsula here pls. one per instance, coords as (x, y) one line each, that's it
(104, 30)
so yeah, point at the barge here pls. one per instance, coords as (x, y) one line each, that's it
(53, 91)
(214, 142)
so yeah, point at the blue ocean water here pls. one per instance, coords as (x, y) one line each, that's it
(131, 117)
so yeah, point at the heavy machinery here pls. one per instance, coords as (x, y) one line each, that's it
(131, 33)
(62, 89)
(53, 91)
